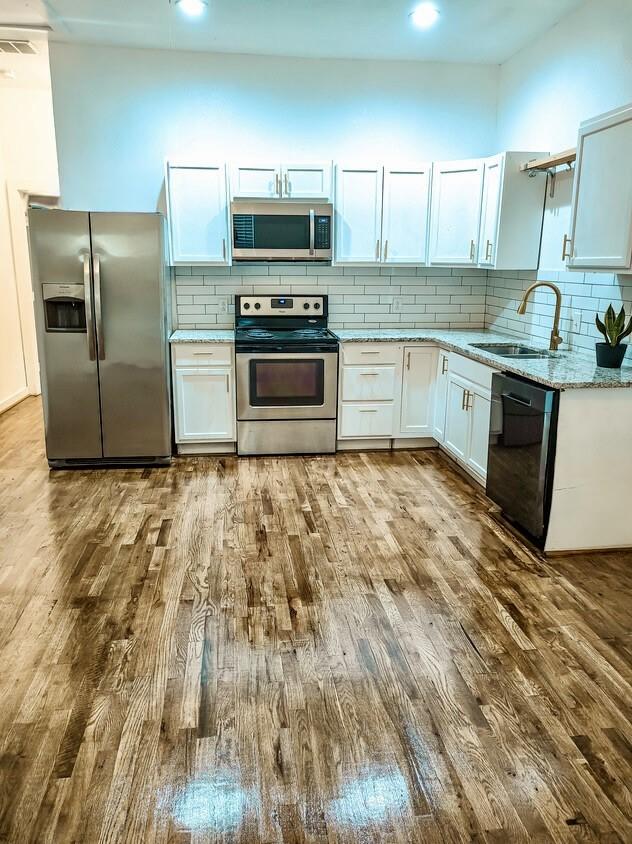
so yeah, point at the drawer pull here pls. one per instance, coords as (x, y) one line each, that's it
(364, 374)
(203, 354)
(368, 411)
(444, 365)
(369, 353)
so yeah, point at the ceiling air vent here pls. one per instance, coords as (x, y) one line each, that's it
(27, 48)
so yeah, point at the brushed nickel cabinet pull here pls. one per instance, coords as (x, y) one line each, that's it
(488, 251)
(377, 250)
(472, 246)
(386, 249)
(444, 365)
(368, 411)
(567, 242)
(408, 361)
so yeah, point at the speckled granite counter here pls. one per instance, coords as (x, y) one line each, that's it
(566, 370)
(200, 335)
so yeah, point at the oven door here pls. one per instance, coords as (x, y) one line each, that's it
(281, 231)
(287, 385)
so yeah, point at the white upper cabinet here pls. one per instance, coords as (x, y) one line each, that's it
(512, 209)
(455, 212)
(358, 213)
(198, 214)
(281, 181)
(306, 181)
(256, 181)
(405, 214)
(601, 208)
(490, 207)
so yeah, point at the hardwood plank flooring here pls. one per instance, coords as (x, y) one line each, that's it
(322, 649)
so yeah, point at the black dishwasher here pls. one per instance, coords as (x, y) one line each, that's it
(522, 432)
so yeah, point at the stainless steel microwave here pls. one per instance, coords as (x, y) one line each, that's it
(281, 231)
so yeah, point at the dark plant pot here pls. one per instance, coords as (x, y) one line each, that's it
(609, 356)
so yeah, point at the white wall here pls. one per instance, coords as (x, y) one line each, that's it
(580, 68)
(120, 112)
(28, 162)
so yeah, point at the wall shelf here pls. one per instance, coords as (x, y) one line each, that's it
(547, 165)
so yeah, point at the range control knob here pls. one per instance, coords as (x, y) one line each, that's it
(316, 306)
(306, 306)
(257, 306)
(246, 306)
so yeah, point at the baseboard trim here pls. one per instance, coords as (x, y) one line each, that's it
(205, 448)
(16, 398)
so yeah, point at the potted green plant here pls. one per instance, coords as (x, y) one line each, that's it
(614, 329)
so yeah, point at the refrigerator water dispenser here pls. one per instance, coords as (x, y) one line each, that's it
(64, 307)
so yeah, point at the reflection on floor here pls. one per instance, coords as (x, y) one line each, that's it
(299, 649)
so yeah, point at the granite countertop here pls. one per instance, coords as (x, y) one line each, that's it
(565, 370)
(203, 335)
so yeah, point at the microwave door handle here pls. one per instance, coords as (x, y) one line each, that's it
(311, 231)
(87, 288)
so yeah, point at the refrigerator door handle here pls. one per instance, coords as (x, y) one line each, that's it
(87, 288)
(96, 272)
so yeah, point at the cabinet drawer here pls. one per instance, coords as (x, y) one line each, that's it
(474, 371)
(370, 353)
(202, 354)
(368, 383)
(366, 420)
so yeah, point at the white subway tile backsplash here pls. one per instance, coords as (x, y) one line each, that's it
(584, 292)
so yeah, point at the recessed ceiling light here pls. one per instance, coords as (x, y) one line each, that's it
(193, 8)
(424, 16)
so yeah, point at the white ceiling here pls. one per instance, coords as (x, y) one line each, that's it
(488, 31)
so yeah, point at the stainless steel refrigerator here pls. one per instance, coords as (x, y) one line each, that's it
(101, 307)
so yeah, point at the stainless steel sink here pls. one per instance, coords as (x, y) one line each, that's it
(512, 350)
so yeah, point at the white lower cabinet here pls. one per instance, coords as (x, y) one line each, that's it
(419, 368)
(467, 412)
(369, 392)
(479, 410)
(457, 420)
(440, 395)
(204, 398)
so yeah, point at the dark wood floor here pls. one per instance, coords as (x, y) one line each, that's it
(300, 650)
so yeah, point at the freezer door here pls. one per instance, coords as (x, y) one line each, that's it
(130, 314)
(62, 287)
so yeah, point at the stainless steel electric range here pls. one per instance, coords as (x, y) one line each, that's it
(287, 375)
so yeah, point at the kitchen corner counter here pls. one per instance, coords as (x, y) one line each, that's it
(201, 335)
(566, 370)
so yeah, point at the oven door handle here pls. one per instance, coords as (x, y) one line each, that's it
(312, 230)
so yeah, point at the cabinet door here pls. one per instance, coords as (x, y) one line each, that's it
(490, 206)
(256, 181)
(455, 211)
(480, 408)
(405, 215)
(441, 395)
(204, 404)
(420, 365)
(306, 181)
(358, 214)
(457, 421)
(601, 209)
(198, 214)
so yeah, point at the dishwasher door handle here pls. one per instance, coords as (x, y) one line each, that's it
(517, 399)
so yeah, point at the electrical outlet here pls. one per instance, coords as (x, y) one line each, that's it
(397, 305)
(223, 304)
(576, 321)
